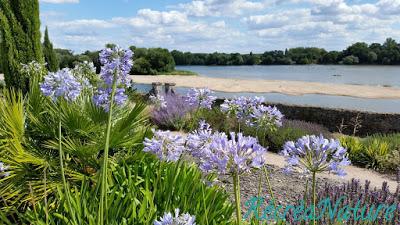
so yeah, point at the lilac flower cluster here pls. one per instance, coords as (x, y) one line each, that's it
(3, 170)
(117, 63)
(266, 116)
(241, 107)
(217, 153)
(169, 219)
(166, 146)
(102, 97)
(158, 101)
(172, 116)
(314, 154)
(201, 98)
(61, 84)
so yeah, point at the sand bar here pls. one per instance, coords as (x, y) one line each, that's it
(273, 86)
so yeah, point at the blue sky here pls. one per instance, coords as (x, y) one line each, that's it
(219, 25)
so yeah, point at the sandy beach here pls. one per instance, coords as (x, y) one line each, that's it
(273, 86)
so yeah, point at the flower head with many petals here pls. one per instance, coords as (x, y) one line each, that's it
(315, 154)
(178, 219)
(61, 84)
(166, 146)
(201, 98)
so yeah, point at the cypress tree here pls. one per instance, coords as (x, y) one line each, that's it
(49, 53)
(19, 39)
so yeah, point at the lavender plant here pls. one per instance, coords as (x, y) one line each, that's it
(315, 154)
(178, 219)
(173, 115)
(158, 101)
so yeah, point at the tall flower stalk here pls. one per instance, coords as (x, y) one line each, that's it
(59, 86)
(313, 155)
(116, 66)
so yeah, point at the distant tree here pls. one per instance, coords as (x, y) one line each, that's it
(236, 59)
(142, 66)
(110, 45)
(19, 39)
(250, 59)
(49, 53)
(331, 57)
(350, 60)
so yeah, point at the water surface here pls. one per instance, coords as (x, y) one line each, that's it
(339, 74)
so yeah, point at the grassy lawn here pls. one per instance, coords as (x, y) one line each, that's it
(180, 72)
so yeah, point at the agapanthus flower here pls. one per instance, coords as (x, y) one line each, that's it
(178, 219)
(158, 101)
(103, 95)
(218, 153)
(265, 116)
(315, 154)
(166, 146)
(201, 98)
(61, 84)
(241, 107)
(116, 61)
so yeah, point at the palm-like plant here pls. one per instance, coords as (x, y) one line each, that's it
(29, 141)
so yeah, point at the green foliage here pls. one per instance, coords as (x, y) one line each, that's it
(381, 152)
(19, 39)
(350, 60)
(152, 61)
(141, 190)
(49, 54)
(29, 143)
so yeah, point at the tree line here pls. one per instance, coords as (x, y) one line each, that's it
(387, 53)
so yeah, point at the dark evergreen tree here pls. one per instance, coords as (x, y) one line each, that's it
(49, 53)
(19, 39)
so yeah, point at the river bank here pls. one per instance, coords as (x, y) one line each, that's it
(273, 86)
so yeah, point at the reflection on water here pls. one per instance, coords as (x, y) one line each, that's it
(340, 74)
(329, 101)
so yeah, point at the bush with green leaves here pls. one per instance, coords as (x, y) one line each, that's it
(381, 152)
(138, 196)
(29, 141)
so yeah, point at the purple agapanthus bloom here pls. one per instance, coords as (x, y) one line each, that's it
(166, 146)
(117, 63)
(241, 107)
(61, 84)
(265, 116)
(315, 154)
(201, 98)
(158, 101)
(102, 97)
(178, 219)
(217, 152)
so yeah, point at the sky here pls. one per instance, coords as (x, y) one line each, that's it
(219, 25)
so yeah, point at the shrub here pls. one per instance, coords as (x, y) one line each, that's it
(135, 198)
(174, 116)
(378, 151)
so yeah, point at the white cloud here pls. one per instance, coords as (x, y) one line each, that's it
(59, 1)
(227, 8)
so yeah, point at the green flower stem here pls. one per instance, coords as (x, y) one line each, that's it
(204, 203)
(104, 184)
(314, 197)
(236, 189)
(271, 193)
(61, 156)
(46, 208)
(258, 197)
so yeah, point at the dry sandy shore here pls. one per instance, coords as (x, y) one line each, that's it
(277, 86)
